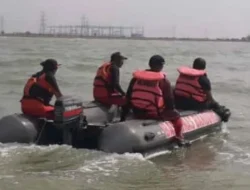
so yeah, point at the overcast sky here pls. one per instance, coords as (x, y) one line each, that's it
(192, 18)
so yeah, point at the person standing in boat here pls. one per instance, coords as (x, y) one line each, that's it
(193, 88)
(150, 96)
(107, 89)
(39, 91)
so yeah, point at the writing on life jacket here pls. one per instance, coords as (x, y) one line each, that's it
(147, 83)
(146, 93)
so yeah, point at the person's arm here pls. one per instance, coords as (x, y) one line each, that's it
(168, 95)
(127, 107)
(50, 78)
(167, 92)
(206, 86)
(115, 79)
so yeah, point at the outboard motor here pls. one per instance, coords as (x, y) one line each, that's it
(69, 116)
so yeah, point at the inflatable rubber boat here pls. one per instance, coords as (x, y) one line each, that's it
(89, 125)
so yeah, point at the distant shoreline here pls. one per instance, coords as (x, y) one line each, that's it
(33, 35)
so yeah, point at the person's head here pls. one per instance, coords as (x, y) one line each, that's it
(199, 64)
(50, 65)
(117, 59)
(156, 63)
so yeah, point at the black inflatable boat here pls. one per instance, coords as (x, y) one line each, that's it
(92, 128)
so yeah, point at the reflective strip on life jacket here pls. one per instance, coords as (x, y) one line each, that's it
(146, 92)
(187, 84)
(102, 81)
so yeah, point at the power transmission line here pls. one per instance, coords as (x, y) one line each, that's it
(2, 24)
(42, 23)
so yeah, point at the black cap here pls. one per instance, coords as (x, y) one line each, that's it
(117, 56)
(50, 64)
(156, 59)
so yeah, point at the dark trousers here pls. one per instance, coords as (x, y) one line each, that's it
(189, 104)
(182, 103)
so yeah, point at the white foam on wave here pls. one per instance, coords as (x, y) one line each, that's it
(245, 160)
(110, 163)
(236, 148)
(156, 154)
(7, 149)
(6, 177)
(227, 155)
(224, 128)
(236, 154)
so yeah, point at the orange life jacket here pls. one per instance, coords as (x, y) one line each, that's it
(31, 81)
(146, 92)
(187, 85)
(102, 82)
(41, 83)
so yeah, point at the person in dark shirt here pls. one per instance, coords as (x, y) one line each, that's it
(50, 67)
(188, 100)
(150, 96)
(165, 86)
(107, 89)
(39, 91)
(49, 70)
(116, 64)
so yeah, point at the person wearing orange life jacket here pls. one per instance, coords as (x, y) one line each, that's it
(107, 89)
(193, 88)
(39, 91)
(150, 96)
